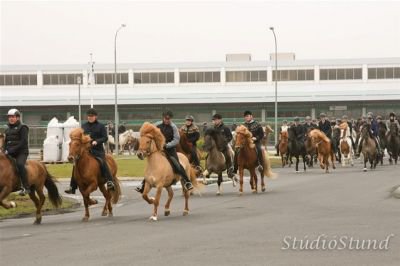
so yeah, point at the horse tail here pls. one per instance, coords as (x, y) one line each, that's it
(53, 194)
(193, 178)
(116, 194)
(267, 167)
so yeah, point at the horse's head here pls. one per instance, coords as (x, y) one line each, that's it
(2, 141)
(394, 130)
(78, 145)
(365, 130)
(151, 140)
(243, 138)
(211, 137)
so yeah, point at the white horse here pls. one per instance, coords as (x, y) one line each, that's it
(345, 145)
(127, 140)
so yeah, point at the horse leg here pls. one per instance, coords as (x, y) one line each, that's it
(365, 163)
(156, 202)
(3, 194)
(145, 195)
(219, 191)
(35, 200)
(241, 172)
(42, 199)
(253, 173)
(167, 211)
(283, 160)
(297, 164)
(107, 209)
(186, 210)
(304, 162)
(87, 200)
(332, 156)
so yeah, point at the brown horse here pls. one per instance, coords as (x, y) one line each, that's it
(88, 175)
(247, 159)
(283, 147)
(159, 172)
(393, 143)
(368, 148)
(324, 149)
(267, 130)
(185, 147)
(38, 177)
(345, 146)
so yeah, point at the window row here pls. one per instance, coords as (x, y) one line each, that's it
(108, 78)
(340, 73)
(157, 77)
(246, 76)
(18, 80)
(194, 77)
(295, 74)
(384, 73)
(61, 79)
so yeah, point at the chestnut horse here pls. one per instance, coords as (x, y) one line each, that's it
(283, 147)
(158, 172)
(324, 149)
(247, 159)
(38, 177)
(88, 175)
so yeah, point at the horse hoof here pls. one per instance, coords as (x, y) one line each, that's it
(104, 214)
(13, 204)
(365, 169)
(263, 189)
(185, 213)
(85, 219)
(37, 221)
(167, 212)
(153, 218)
(254, 191)
(240, 193)
(110, 214)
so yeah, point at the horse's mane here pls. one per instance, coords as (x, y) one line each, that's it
(344, 126)
(247, 134)
(78, 133)
(216, 136)
(316, 133)
(2, 140)
(150, 130)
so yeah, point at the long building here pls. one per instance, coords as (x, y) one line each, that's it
(305, 87)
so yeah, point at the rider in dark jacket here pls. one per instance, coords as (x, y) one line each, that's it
(98, 134)
(227, 135)
(373, 134)
(16, 146)
(299, 130)
(193, 135)
(325, 126)
(171, 134)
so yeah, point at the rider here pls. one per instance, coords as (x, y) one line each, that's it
(171, 134)
(284, 128)
(325, 126)
(299, 129)
(392, 119)
(373, 133)
(16, 146)
(308, 125)
(193, 135)
(227, 135)
(98, 134)
(350, 126)
(258, 134)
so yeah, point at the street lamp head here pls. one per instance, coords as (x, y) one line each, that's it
(271, 28)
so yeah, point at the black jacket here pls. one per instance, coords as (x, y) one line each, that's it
(326, 128)
(299, 131)
(225, 131)
(98, 133)
(256, 130)
(16, 141)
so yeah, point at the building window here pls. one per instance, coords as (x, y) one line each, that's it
(61, 79)
(246, 76)
(340, 74)
(18, 80)
(199, 77)
(384, 73)
(154, 77)
(108, 78)
(294, 75)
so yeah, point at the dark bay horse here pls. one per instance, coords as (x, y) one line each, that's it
(393, 143)
(297, 148)
(247, 159)
(215, 159)
(88, 175)
(159, 172)
(368, 148)
(336, 132)
(38, 177)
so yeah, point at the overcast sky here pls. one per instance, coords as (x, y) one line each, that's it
(66, 32)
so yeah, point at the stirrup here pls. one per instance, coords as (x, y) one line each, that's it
(189, 186)
(24, 191)
(110, 185)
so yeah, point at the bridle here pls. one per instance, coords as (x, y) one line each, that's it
(78, 156)
(147, 152)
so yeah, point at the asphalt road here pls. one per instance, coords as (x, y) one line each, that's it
(254, 229)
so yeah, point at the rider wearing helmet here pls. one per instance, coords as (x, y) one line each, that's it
(325, 126)
(193, 134)
(16, 146)
(227, 135)
(392, 119)
(345, 121)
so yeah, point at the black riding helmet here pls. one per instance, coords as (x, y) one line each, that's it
(92, 111)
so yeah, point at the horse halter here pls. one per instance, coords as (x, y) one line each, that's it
(147, 152)
(78, 156)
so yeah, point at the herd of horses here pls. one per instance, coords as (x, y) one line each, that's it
(159, 173)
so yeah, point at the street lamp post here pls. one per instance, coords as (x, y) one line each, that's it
(276, 87)
(79, 81)
(116, 91)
